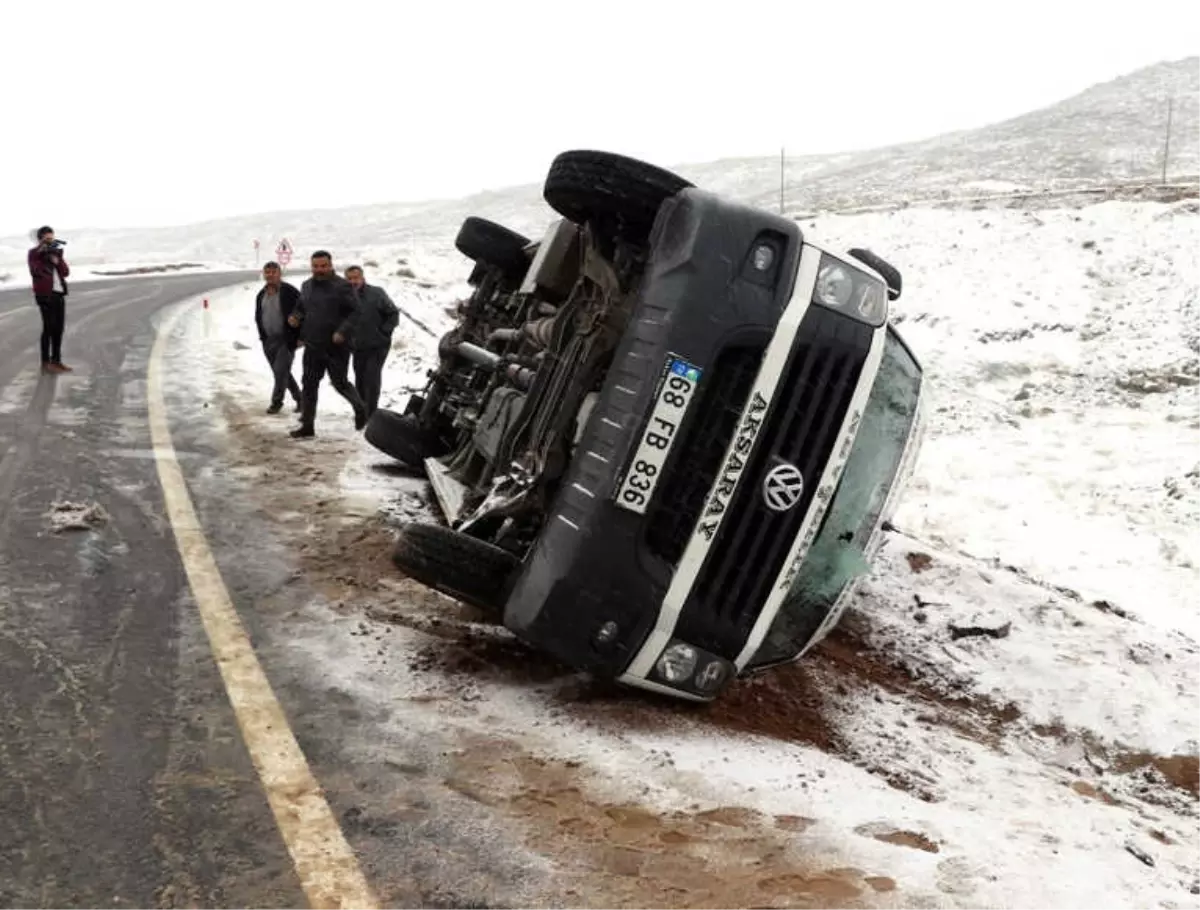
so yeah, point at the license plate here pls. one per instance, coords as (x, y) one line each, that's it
(676, 385)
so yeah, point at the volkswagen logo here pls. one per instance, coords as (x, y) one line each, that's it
(782, 487)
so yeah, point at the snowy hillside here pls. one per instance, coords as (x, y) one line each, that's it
(1111, 132)
(1065, 351)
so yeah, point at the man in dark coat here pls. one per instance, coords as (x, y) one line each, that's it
(325, 315)
(377, 319)
(49, 271)
(275, 302)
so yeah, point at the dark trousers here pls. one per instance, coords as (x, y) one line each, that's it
(368, 376)
(280, 355)
(54, 320)
(319, 360)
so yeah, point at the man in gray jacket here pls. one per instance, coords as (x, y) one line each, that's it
(377, 319)
(272, 306)
(325, 315)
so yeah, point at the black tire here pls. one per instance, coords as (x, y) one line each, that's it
(402, 437)
(467, 568)
(611, 191)
(486, 241)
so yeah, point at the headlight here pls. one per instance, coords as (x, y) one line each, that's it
(851, 291)
(764, 257)
(834, 285)
(677, 663)
(871, 302)
(711, 676)
(694, 670)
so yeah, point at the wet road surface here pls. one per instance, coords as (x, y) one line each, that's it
(123, 779)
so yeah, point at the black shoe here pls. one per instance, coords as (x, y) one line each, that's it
(360, 420)
(274, 408)
(303, 433)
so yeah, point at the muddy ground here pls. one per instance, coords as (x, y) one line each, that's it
(619, 853)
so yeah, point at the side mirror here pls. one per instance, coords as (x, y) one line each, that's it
(891, 275)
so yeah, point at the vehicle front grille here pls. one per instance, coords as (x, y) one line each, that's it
(697, 454)
(801, 427)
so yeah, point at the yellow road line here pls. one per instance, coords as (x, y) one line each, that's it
(328, 869)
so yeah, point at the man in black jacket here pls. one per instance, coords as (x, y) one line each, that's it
(325, 315)
(274, 304)
(377, 319)
(49, 271)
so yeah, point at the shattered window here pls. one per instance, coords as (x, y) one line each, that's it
(837, 555)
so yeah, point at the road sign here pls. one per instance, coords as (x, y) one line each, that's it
(283, 252)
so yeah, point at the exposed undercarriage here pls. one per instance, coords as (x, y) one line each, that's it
(503, 409)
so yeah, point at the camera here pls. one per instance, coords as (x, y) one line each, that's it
(54, 245)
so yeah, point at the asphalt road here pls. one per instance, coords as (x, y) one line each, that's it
(123, 779)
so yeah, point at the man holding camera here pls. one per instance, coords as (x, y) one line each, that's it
(49, 271)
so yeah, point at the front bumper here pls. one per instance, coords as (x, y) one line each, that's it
(591, 564)
(606, 590)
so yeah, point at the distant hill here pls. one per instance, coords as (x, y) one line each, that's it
(1111, 132)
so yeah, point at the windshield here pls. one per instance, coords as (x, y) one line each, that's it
(838, 552)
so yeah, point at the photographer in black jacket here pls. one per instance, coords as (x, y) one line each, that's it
(325, 314)
(49, 271)
(275, 302)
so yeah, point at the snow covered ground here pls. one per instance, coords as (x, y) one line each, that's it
(1052, 762)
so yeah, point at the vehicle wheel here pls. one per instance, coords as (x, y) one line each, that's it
(465, 567)
(402, 437)
(622, 194)
(486, 241)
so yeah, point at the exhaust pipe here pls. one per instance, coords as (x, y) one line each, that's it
(478, 355)
(503, 335)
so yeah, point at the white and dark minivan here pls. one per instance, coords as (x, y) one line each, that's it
(666, 436)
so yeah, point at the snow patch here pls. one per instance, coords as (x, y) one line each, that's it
(75, 516)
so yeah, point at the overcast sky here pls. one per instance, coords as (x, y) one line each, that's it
(121, 113)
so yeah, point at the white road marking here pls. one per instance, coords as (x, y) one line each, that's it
(327, 867)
